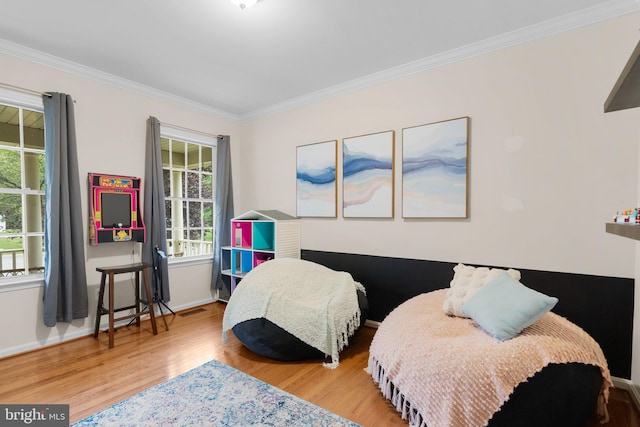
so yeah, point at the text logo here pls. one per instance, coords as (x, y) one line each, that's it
(34, 415)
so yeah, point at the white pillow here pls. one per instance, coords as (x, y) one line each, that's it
(466, 282)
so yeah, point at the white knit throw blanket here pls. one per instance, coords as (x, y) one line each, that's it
(310, 301)
(445, 371)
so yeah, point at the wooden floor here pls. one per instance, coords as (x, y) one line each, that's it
(88, 376)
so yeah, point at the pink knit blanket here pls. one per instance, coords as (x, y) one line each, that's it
(445, 371)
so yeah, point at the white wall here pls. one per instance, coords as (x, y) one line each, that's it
(548, 168)
(111, 132)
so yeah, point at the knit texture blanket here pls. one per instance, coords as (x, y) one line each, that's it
(446, 371)
(310, 301)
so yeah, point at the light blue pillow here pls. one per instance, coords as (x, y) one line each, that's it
(504, 307)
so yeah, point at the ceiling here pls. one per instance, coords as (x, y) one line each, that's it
(280, 53)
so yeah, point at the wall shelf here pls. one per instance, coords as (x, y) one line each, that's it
(631, 231)
(626, 92)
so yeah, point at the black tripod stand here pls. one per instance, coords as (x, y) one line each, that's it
(158, 257)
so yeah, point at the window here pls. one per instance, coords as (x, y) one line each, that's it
(22, 186)
(187, 163)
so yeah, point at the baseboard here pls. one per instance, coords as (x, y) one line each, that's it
(36, 345)
(635, 396)
(372, 323)
(83, 332)
(621, 383)
(625, 384)
(178, 308)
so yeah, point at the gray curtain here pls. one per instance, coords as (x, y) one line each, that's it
(153, 214)
(65, 292)
(224, 207)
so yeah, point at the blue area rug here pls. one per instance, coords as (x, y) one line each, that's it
(214, 394)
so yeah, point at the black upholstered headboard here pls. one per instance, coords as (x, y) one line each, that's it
(602, 306)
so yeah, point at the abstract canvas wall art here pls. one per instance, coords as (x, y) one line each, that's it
(316, 184)
(367, 176)
(434, 170)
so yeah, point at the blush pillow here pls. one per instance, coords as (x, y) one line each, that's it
(466, 282)
(504, 307)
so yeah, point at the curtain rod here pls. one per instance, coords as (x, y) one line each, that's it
(191, 130)
(21, 89)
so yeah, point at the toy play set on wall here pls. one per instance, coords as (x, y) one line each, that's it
(629, 216)
(115, 209)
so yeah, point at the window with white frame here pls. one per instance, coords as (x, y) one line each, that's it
(188, 168)
(22, 185)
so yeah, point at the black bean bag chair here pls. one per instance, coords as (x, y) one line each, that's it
(432, 354)
(268, 339)
(559, 395)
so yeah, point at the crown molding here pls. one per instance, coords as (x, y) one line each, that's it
(51, 61)
(609, 10)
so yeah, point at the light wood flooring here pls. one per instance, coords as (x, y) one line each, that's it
(88, 376)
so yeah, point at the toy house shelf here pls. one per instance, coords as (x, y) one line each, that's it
(256, 237)
(631, 231)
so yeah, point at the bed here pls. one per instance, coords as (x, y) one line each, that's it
(440, 362)
(290, 309)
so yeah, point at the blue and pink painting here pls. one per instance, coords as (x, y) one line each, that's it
(434, 170)
(316, 184)
(367, 170)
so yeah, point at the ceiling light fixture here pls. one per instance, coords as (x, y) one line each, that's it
(244, 4)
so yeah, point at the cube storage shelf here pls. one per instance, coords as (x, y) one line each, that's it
(256, 237)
